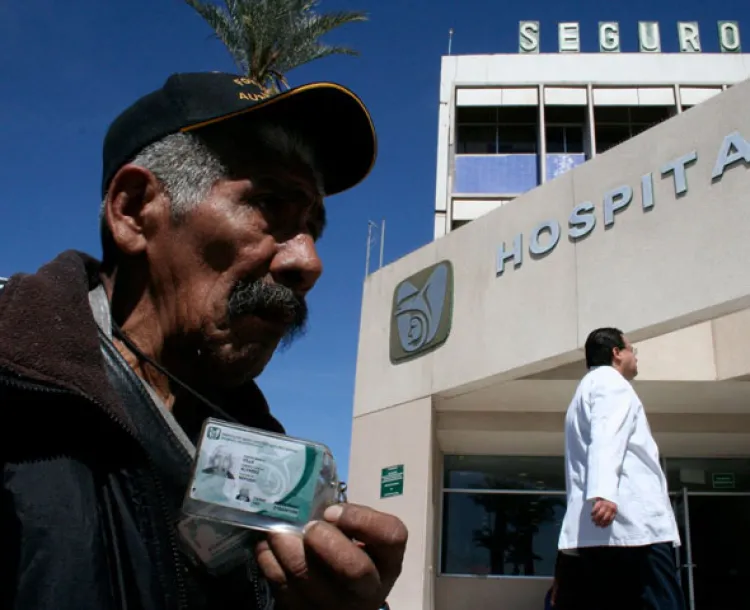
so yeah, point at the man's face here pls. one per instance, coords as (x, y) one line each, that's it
(231, 276)
(627, 359)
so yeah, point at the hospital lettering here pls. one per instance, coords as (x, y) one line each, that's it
(544, 237)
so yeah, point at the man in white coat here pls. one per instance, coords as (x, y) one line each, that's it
(619, 519)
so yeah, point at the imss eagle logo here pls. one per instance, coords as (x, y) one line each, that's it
(422, 312)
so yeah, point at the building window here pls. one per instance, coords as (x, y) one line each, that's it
(616, 124)
(609, 136)
(502, 515)
(477, 139)
(565, 128)
(565, 139)
(516, 139)
(488, 130)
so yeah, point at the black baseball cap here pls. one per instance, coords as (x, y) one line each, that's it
(330, 118)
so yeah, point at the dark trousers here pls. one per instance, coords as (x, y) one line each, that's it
(630, 578)
(570, 583)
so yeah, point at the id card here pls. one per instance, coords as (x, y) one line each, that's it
(259, 480)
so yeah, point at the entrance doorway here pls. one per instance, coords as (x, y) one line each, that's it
(713, 561)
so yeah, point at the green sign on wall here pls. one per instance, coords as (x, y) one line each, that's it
(722, 480)
(392, 481)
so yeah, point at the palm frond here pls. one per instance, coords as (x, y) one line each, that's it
(268, 38)
(225, 29)
(305, 55)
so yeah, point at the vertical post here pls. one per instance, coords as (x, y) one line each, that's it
(541, 137)
(688, 551)
(367, 255)
(382, 241)
(450, 40)
(591, 119)
(449, 182)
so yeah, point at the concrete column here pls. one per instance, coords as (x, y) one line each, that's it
(401, 435)
(590, 146)
(542, 138)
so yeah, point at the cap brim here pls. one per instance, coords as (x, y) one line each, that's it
(334, 122)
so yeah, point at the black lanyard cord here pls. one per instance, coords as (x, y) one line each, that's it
(117, 332)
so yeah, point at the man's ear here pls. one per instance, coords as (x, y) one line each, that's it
(135, 201)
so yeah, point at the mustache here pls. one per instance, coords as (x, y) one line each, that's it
(274, 301)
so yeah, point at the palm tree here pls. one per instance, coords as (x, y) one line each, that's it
(268, 38)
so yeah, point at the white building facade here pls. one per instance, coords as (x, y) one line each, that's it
(509, 123)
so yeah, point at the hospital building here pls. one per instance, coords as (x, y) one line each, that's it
(573, 191)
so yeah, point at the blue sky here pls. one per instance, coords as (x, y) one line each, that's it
(68, 67)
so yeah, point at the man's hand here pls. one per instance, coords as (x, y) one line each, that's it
(327, 570)
(553, 595)
(603, 513)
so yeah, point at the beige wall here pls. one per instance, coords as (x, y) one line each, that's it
(731, 339)
(457, 593)
(401, 435)
(709, 351)
(681, 263)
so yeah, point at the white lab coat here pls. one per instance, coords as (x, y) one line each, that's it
(611, 454)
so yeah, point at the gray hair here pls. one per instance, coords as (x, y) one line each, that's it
(188, 168)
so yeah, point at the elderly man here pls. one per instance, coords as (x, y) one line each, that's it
(212, 206)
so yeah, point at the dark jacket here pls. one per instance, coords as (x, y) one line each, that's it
(92, 485)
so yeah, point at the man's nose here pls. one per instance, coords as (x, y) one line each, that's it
(297, 264)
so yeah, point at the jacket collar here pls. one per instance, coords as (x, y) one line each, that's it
(48, 335)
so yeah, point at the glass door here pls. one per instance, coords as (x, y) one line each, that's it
(711, 500)
(719, 536)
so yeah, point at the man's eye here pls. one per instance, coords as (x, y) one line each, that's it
(268, 202)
